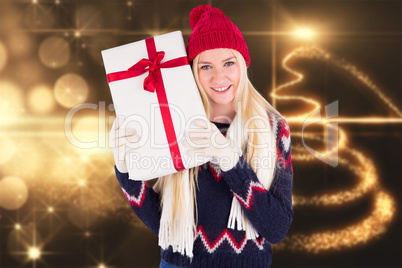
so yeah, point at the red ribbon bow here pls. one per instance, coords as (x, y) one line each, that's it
(154, 82)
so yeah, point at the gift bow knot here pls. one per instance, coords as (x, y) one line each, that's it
(150, 83)
(151, 66)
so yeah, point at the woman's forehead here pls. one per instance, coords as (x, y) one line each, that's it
(216, 55)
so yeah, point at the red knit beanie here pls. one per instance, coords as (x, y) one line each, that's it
(212, 29)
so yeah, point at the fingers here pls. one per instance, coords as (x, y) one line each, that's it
(114, 131)
(190, 144)
(126, 132)
(195, 134)
(200, 123)
(199, 151)
(117, 123)
(123, 133)
(130, 142)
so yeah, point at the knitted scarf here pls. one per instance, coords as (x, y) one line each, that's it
(182, 237)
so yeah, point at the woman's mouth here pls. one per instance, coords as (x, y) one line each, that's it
(221, 89)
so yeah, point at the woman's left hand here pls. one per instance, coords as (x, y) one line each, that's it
(208, 141)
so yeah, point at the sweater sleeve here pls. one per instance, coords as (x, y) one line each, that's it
(271, 211)
(143, 200)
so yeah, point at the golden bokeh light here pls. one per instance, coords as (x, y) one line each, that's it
(29, 154)
(21, 241)
(17, 226)
(7, 149)
(3, 56)
(11, 100)
(34, 253)
(91, 134)
(41, 99)
(20, 44)
(304, 33)
(54, 52)
(82, 182)
(70, 90)
(13, 193)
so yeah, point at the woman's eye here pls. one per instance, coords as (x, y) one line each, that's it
(205, 67)
(229, 63)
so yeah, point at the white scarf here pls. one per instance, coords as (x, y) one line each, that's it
(184, 243)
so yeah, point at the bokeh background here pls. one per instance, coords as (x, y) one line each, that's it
(60, 204)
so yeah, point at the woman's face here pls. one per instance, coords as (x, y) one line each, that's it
(219, 75)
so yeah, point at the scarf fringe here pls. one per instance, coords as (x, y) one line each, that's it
(237, 219)
(181, 238)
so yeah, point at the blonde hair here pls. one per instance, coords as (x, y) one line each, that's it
(250, 104)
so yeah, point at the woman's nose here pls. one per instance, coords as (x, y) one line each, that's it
(219, 75)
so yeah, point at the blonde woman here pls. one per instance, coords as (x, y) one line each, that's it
(227, 212)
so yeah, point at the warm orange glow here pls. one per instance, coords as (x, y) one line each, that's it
(34, 253)
(304, 33)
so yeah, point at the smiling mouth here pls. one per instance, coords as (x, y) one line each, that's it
(221, 89)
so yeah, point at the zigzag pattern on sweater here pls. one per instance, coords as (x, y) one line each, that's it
(216, 171)
(257, 186)
(284, 138)
(226, 236)
(136, 200)
(282, 159)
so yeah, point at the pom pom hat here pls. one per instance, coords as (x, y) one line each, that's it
(212, 29)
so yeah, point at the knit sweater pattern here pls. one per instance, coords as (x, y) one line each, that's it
(215, 245)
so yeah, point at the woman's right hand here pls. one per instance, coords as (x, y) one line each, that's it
(122, 139)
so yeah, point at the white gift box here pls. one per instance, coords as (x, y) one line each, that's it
(141, 109)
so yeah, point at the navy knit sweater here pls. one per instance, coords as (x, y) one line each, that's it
(215, 245)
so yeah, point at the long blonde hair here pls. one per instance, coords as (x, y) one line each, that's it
(250, 104)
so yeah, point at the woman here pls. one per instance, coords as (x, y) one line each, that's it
(227, 212)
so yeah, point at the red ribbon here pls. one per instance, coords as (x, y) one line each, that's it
(154, 82)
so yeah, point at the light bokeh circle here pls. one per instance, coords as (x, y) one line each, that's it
(20, 44)
(54, 52)
(7, 150)
(41, 99)
(31, 155)
(70, 90)
(3, 56)
(13, 193)
(11, 100)
(86, 129)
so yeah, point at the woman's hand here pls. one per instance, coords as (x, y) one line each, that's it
(209, 142)
(122, 139)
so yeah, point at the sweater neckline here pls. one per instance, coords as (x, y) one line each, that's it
(221, 124)
(223, 127)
